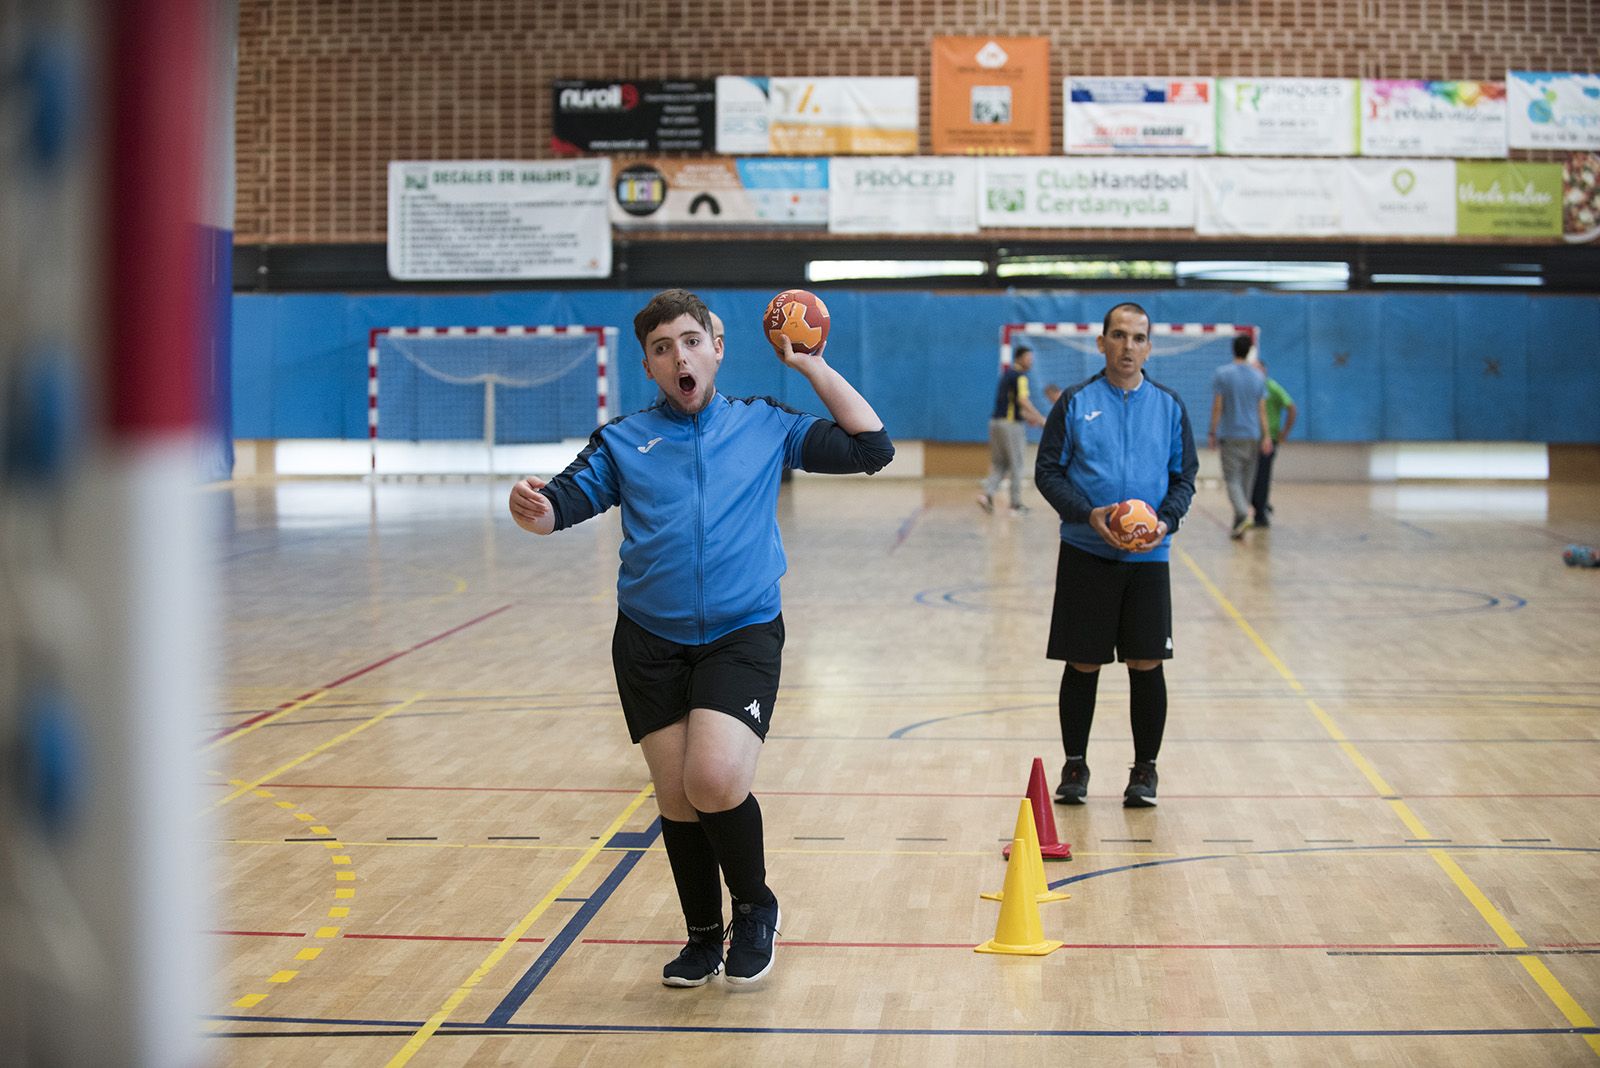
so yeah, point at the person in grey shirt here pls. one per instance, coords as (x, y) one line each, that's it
(1013, 412)
(1239, 425)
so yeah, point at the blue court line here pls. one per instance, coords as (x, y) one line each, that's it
(636, 843)
(932, 1032)
(1454, 848)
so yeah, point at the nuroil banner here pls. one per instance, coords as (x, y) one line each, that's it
(1158, 116)
(1399, 197)
(1269, 197)
(619, 115)
(991, 96)
(1287, 116)
(490, 219)
(842, 116)
(922, 195)
(1418, 118)
(1553, 110)
(720, 193)
(1055, 191)
(1508, 199)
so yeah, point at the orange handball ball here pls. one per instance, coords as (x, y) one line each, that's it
(801, 316)
(1133, 523)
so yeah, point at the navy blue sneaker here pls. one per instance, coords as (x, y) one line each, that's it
(1141, 791)
(1074, 783)
(752, 942)
(697, 962)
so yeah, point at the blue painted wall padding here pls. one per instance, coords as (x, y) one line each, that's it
(1362, 367)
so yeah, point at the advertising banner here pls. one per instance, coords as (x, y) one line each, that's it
(497, 219)
(619, 115)
(1287, 116)
(1553, 110)
(1580, 198)
(1508, 199)
(1418, 118)
(742, 119)
(1056, 191)
(1255, 198)
(1402, 197)
(991, 96)
(842, 116)
(925, 195)
(1164, 116)
(720, 193)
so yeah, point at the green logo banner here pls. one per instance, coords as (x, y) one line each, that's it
(1508, 199)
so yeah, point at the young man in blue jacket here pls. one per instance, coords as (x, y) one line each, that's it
(1115, 437)
(699, 634)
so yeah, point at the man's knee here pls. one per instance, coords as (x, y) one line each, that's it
(1143, 665)
(1086, 669)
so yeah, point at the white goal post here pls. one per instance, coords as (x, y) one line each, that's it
(446, 388)
(1183, 356)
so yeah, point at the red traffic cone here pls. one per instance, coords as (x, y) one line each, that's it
(1051, 847)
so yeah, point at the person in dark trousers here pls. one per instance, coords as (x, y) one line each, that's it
(1281, 414)
(699, 634)
(1012, 413)
(1117, 436)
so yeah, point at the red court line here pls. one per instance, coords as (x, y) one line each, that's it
(354, 674)
(899, 793)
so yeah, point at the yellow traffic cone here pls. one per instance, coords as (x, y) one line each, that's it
(1019, 931)
(1037, 884)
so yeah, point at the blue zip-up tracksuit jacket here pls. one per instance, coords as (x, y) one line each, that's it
(1102, 445)
(701, 553)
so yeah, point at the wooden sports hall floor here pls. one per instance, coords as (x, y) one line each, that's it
(1378, 839)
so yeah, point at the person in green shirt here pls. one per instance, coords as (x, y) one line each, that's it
(1281, 412)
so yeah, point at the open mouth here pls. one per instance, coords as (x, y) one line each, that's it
(686, 384)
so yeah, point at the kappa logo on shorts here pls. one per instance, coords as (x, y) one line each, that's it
(754, 708)
(647, 446)
(1169, 645)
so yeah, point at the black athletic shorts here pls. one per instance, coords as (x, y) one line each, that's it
(659, 681)
(1109, 610)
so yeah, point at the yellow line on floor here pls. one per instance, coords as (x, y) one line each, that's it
(323, 748)
(258, 724)
(1564, 1002)
(453, 1002)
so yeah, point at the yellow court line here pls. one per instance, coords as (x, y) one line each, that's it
(294, 706)
(323, 748)
(1564, 1002)
(453, 1002)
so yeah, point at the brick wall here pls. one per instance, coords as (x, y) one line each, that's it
(331, 90)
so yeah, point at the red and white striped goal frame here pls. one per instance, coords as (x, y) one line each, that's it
(1011, 330)
(602, 357)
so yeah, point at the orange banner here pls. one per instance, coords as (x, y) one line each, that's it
(991, 96)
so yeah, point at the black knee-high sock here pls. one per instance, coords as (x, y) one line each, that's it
(741, 850)
(1147, 706)
(694, 869)
(1078, 690)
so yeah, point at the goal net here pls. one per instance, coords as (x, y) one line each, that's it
(461, 399)
(1183, 357)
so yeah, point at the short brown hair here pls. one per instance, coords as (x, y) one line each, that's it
(1105, 326)
(667, 306)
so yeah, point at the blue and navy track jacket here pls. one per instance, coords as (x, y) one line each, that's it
(701, 553)
(1102, 445)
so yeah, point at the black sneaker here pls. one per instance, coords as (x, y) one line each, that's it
(1141, 791)
(1074, 783)
(1240, 525)
(697, 962)
(752, 942)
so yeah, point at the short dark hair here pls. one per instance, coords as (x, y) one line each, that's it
(1242, 344)
(1105, 327)
(667, 306)
(1020, 351)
